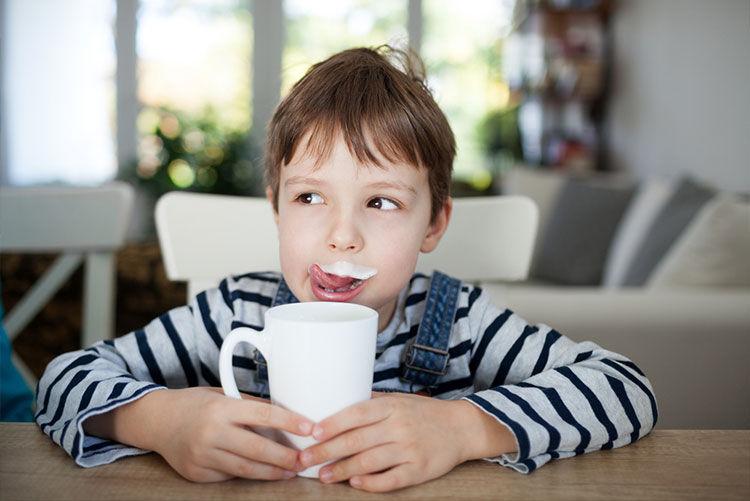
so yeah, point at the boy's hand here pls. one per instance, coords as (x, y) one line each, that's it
(396, 440)
(202, 434)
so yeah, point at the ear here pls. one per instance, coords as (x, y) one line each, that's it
(269, 196)
(437, 227)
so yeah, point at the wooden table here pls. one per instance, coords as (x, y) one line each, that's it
(667, 464)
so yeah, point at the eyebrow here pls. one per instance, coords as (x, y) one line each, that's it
(302, 180)
(393, 185)
(294, 180)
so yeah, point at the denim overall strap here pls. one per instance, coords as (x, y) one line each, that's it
(426, 359)
(283, 295)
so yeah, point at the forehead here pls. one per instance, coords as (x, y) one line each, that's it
(313, 154)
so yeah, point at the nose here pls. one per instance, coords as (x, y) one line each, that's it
(345, 234)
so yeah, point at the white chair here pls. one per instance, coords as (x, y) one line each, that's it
(85, 225)
(205, 238)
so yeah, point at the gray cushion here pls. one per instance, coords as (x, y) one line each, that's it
(673, 218)
(574, 246)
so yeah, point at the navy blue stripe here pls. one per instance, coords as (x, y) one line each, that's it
(243, 363)
(224, 290)
(85, 359)
(530, 464)
(74, 381)
(510, 357)
(208, 323)
(415, 298)
(148, 358)
(562, 410)
(524, 446)
(583, 356)
(554, 435)
(594, 402)
(209, 376)
(489, 333)
(632, 366)
(86, 398)
(100, 445)
(252, 297)
(473, 295)
(63, 432)
(117, 390)
(460, 349)
(399, 340)
(237, 323)
(385, 374)
(619, 388)
(456, 384)
(638, 383)
(113, 446)
(180, 350)
(263, 277)
(541, 363)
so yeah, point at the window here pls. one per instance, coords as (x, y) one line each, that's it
(194, 64)
(195, 58)
(317, 30)
(462, 44)
(58, 66)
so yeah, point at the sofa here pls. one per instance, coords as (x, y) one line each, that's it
(657, 270)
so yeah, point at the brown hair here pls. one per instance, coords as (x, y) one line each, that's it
(362, 94)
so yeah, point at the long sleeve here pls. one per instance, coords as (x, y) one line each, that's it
(558, 397)
(177, 350)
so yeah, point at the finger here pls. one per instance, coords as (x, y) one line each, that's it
(258, 413)
(355, 416)
(344, 445)
(249, 445)
(367, 462)
(238, 466)
(390, 480)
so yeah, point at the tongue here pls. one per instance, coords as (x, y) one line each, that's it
(328, 280)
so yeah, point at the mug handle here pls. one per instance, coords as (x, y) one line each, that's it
(226, 372)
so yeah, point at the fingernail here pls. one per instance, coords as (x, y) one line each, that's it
(305, 428)
(326, 475)
(289, 474)
(305, 458)
(355, 482)
(317, 432)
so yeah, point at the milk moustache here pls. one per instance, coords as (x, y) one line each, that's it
(347, 269)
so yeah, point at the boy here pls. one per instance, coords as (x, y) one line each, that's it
(358, 170)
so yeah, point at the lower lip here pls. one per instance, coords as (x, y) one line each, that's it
(341, 297)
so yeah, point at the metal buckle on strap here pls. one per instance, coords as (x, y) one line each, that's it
(410, 354)
(258, 360)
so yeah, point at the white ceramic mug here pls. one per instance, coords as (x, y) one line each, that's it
(320, 358)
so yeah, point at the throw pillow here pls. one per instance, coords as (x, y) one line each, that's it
(580, 229)
(676, 214)
(714, 250)
(648, 200)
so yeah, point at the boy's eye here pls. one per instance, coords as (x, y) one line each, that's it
(382, 203)
(310, 198)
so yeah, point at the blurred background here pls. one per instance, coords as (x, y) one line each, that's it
(175, 95)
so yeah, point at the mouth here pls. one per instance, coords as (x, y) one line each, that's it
(333, 287)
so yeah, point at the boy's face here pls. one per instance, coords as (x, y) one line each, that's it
(342, 210)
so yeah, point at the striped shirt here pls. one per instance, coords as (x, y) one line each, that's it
(559, 398)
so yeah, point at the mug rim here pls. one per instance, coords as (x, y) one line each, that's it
(279, 312)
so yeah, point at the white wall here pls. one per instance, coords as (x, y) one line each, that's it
(681, 90)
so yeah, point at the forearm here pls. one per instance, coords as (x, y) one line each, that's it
(483, 435)
(132, 424)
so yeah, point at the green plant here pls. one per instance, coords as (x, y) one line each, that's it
(177, 152)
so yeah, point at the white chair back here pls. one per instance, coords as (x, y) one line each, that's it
(86, 225)
(205, 238)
